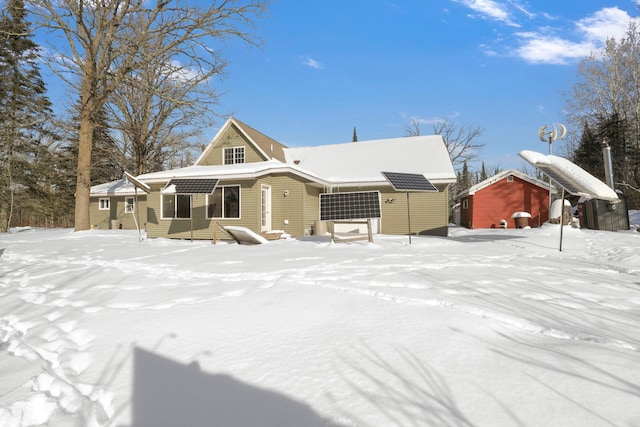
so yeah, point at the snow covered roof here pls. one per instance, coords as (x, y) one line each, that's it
(499, 176)
(121, 187)
(572, 177)
(363, 161)
(354, 163)
(235, 171)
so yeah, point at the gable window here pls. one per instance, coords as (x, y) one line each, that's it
(233, 155)
(510, 178)
(224, 202)
(176, 206)
(103, 204)
(128, 205)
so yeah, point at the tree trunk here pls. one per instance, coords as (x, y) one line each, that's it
(83, 178)
(4, 218)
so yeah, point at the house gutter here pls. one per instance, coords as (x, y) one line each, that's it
(284, 169)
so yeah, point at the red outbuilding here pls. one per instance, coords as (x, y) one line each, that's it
(492, 202)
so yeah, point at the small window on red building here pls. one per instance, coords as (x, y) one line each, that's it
(510, 178)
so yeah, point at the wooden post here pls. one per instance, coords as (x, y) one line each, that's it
(369, 232)
(215, 231)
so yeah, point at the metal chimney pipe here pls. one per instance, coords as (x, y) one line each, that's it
(608, 166)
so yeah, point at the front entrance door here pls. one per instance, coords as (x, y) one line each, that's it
(265, 208)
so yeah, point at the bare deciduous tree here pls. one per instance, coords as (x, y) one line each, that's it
(102, 44)
(162, 105)
(460, 140)
(608, 90)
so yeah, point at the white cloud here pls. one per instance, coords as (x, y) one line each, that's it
(427, 120)
(606, 23)
(488, 50)
(489, 9)
(430, 121)
(310, 62)
(542, 47)
(520, 7)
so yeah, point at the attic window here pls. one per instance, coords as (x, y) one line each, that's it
(510, 178)
(233, 155)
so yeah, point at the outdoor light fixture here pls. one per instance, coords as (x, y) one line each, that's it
(390, 200)
(286, 193)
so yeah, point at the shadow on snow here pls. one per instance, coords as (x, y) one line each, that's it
(167, 393)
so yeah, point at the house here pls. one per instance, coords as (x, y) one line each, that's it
(497, 198)
(246, 178)
(117, 204)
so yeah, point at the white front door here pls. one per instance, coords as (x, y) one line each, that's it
(265, 208)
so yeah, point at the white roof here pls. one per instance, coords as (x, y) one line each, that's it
(340, 164)
(586, 184)
(235, 171)
(363, 161)
(121, 187)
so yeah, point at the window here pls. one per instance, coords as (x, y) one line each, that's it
(224, 202)
(128, 205)
(465, 204)
(233, 155)
(176, 206)
(510, 178)
(103, 204)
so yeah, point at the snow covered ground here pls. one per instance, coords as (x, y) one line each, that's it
(483, 328)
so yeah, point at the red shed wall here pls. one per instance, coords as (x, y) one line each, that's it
(501, 199)
(466, 217)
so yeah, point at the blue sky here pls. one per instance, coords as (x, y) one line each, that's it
(502, 65)
(325, 67)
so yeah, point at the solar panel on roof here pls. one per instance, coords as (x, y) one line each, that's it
(409, 182)
(570, 187)
(193, 185)
(346, 206)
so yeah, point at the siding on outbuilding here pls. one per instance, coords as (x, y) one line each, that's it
(498, 201)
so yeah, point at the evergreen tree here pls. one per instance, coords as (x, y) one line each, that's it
(606, 95)
(483, 173)
(24, 108)
(588, 154)
(464, 179)
(355, 135)
(617, 133)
